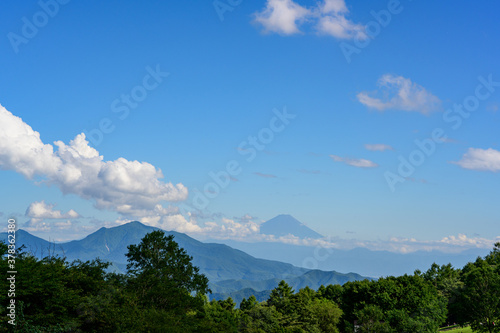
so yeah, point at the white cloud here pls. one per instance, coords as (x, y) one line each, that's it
(333, 21)
(224, 228)
(401, 94)
(178, 223)
(329, 17)
(281, 16)
(41, 210)
(378, 147)
(355, 162)
(449, 244)
(481, 159)
(121, 185)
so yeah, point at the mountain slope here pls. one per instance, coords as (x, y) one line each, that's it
(37, 246)
(283, 225)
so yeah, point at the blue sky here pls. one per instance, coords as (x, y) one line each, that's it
(182, 87)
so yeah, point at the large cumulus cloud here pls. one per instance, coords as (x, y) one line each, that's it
(123, 186)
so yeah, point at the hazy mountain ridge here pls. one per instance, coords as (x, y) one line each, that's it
(239, 289)
(228, 269)
(111, 244)
(217, 261)
(312, 279)
(360, 260)
(238, 296)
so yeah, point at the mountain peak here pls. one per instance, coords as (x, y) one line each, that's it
(285, 224)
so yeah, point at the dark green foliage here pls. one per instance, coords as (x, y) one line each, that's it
(304, 311)
(248, 304)
(406, 303)
(53, 295)
(162, 274)
(480, 297)
(222, 316)
(371, 319)
(49, 291)
(261, 318)
(164, 292)
(447, 281)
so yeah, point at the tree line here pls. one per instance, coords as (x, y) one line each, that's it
(163, 291)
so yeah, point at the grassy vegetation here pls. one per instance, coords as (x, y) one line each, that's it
(457, 330)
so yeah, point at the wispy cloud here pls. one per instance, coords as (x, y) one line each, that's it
(378, 147)
(417, 180)
(328, 17)
(480, 159)
(48, 227)
(448, 140)
(355, 162)
(400, 93)
(332, 21)
(121, 185)
(245, 218)
(264, 175)
(312, 172)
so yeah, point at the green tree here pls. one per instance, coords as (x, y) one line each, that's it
(280, 297)
(261, 318)
(162, 274)
(480, 298)
(446, 280)
(326, 314)
(50, 291)
(371, 319)
(332, 292)
(408, 303)
(494, 257)
(221, 316)
(248, 304)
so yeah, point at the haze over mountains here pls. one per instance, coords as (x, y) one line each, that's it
(360, 260)
(230, 271)
(111, 244)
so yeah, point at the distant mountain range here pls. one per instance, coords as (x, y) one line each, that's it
(234, 269)
(360, 260)
(228, 270)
